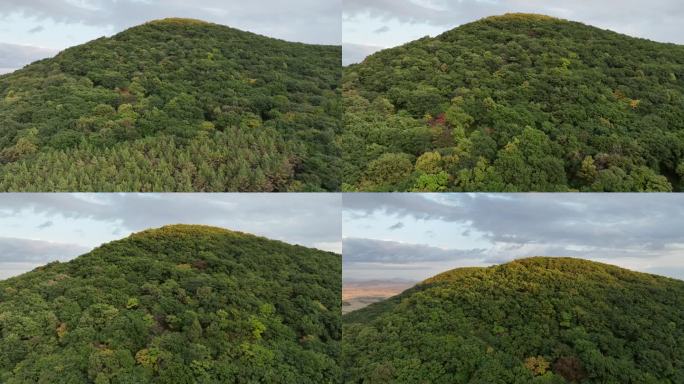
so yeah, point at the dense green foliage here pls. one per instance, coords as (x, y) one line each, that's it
(174, 105)
(517, 103)
(538, 320)
(180, 304)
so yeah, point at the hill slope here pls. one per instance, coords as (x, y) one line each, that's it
(180, 304)
(517, 103)
(537, 320)
(174, 105)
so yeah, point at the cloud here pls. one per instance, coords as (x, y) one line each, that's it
(418, 206)
(674, 272)
(397, 225)
(8, 270)
(39, 228)
(659, 21)
(382, 29)
(298, 20)
(403, 10)
(355, 53)
(300, 218)
(13, 56)
(637, 231)
(371, 260)
(46, 224)
(331, 246)
(601, 220)
(14, 250)
(393, 252)
(36, 29)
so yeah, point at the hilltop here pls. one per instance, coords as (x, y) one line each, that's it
(536, 320)
(516, 102)
(174, 105)
(179, 21)
(177, 304)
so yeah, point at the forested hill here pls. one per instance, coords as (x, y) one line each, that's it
(174, 105)
(517, 103)
(179, 304)
(537, 320)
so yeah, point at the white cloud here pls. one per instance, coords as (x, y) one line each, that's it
(394, 252)
(8, 270)
(299, 20)
(31, 222)
(355, 53)
(13, 56)
(660, 20)
(14, 250)
(639, 231)
(59, 24)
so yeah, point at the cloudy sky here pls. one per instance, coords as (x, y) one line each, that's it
(35, 29)
(38, 228)
(414, 236)
(369, 25)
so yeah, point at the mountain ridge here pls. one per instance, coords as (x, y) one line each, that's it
(171, 21)
(176, 304)
(534, 320)
(205, 106)
(520, 17)
(515, 104)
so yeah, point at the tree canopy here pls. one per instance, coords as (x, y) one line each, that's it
(174, 105)
(179, 304)
(537, 320)
(516, 103)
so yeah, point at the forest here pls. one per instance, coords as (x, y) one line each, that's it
(538, 320)
(179, 304)
(516, 103)
(174, 105)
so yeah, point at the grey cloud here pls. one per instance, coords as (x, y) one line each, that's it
(382, 29)
(365, 259)
(46, 224)
(660, 21)
(402, 10)
(395, 226)
(306, 219)
(312, 21)
(399, 205)
(36, 29)
(13, 250)
(397, 255)
(8, 270)
(355, 53)
(636, 231)
(598, 220)
(677, 273)
(14, 56)
(505, 252)
(391, 252)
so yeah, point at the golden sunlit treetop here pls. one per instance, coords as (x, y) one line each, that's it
(519, 16)
(179, 21)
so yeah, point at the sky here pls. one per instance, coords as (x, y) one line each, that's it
(413, 236)
(36, 29)
(370, 25)
(36, 229)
